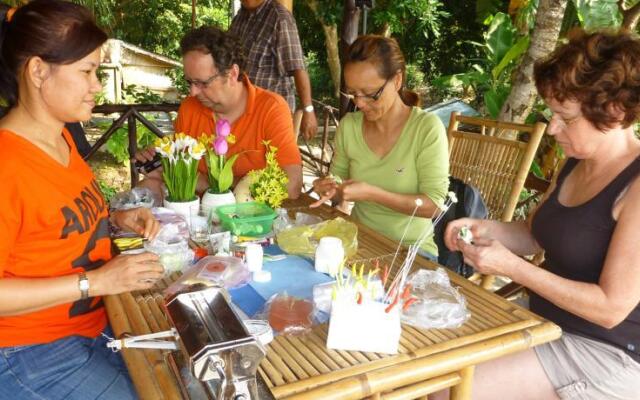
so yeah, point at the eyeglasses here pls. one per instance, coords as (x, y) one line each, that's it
(369, 98)
(202, 84)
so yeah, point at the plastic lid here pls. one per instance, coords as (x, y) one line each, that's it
(262, 276)
(331, 241)
(260, 330)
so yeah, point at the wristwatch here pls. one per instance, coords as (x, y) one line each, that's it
(308, 108)
(83, 285)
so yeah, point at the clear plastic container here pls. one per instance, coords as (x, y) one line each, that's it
(282, 221)
(174, 256)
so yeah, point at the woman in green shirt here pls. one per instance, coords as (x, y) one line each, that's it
(390, 153)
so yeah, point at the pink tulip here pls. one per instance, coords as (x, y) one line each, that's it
(223, 128)
(220, 146)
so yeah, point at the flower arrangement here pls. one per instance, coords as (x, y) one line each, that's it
(180, 156)
(220, 169)
(269, 185)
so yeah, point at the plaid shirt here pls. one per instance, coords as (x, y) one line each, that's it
(272, 47)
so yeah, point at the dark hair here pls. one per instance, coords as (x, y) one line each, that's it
(385, 54)
(600, 70)
(57, 31)
(224, 47)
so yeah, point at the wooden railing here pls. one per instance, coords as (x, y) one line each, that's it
(131, 113)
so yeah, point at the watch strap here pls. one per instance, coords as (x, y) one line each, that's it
(83, 285)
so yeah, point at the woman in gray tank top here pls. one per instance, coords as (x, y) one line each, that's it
(588, 224)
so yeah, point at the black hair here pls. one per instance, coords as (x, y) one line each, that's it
(57, 31)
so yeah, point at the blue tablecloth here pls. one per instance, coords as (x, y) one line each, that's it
(295, 275)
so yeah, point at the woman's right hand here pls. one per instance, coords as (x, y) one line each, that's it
(478, 230)
(125, 273)
(326, 188)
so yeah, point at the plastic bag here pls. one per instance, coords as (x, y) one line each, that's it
(303, 240)
(172, 248)
(169, 217)
(439, 304)
(136, 197)
(288, 315)
(227, 272)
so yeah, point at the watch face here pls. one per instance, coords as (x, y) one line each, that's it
(83, 284)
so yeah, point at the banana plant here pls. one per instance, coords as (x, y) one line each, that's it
(490, 77)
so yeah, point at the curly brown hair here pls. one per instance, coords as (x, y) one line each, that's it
(224, 47)
(600, 70)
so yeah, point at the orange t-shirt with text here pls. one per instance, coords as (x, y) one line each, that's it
(267, 117)
(53, 222)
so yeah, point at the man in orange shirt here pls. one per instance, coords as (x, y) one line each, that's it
(219, 88)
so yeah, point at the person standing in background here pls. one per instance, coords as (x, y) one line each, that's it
(275, 60)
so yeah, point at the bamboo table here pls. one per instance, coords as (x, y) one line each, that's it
(300, 368)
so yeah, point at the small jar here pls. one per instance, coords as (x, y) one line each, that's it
(282, 221)
(329, 255)
(253, 256)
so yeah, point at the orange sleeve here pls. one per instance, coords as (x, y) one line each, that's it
(279, 130)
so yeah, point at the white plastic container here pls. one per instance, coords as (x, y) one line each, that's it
(253, 256)
(329, 255)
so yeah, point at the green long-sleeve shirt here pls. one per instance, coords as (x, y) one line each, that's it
(417, 164)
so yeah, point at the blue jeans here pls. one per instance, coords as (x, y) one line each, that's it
(71, 368)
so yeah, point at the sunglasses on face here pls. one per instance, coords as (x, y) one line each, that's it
(369, 98)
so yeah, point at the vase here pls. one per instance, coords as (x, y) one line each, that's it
(211, 201)
(185, 208)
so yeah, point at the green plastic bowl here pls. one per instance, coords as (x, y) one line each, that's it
(247, 219)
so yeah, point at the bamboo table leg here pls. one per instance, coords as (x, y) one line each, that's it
(462, 391)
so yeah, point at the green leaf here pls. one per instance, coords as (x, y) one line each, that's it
(537, 171)
(494, 99)
(500, 37)
(226, 176)
(513, 54)
(598, 14)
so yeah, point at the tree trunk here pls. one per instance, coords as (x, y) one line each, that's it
(193, 14)
(629, 17)
(349, 34)
(543, 40)
(331, 45)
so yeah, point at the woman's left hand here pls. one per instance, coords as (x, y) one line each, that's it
(357, 191)
(488, 256)
(139, 220)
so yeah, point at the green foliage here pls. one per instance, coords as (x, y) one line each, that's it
(415, 77)
(118, 143)
(320, 78)
(181, 178)
(598, 14)
(138, 95)
(420, 16)
(107, 190)
(156, 25)
(490, 77)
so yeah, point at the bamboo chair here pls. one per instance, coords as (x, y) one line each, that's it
(497, 166)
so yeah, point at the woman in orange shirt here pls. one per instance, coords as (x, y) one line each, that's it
(55, 251)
